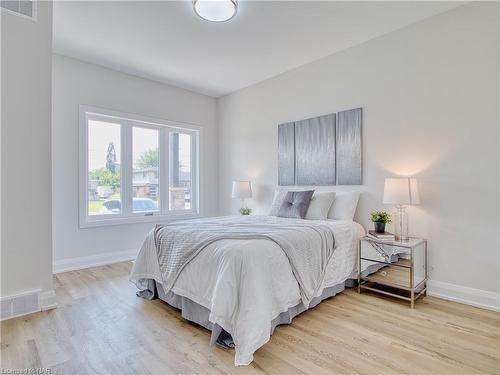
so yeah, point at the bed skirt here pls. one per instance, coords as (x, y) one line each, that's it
(199, 314)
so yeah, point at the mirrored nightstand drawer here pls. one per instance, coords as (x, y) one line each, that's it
(382, 252)
(397, 274)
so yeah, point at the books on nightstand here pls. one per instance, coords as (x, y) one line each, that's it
(386, 236)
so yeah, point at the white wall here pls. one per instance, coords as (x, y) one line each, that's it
(75, 83)
(430, 98)
(26, 259)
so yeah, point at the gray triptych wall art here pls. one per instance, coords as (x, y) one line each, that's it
(315, 151)
(324, 150)
(286, 154)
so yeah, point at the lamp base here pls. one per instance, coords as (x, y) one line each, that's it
(401, 224)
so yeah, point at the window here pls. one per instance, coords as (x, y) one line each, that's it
(145, 170)
(180, 171)
(104, 175)
(135, 169)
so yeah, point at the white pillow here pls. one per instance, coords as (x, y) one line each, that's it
(320, 205)
(344, 205)
(279, 197)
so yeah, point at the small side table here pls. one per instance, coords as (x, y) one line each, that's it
(393, 268)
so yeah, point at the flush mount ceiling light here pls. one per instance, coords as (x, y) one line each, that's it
(215, 10)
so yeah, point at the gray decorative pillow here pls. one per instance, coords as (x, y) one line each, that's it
(295, 204)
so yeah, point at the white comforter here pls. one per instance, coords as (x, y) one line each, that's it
(247, 283)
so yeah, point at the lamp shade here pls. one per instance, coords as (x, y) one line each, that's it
(402, 191)
(242, 189)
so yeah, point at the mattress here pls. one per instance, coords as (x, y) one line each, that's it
(200, 280)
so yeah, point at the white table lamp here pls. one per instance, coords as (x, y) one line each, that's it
(401, 192)
(242, 190)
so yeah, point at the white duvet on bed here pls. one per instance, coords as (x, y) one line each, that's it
(247, 283)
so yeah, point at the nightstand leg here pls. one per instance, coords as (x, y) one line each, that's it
(359, 266)
(412, 299)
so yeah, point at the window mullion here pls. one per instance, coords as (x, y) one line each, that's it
(164, 170)
(126, 169)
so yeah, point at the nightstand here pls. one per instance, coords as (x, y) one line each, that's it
(393, 268)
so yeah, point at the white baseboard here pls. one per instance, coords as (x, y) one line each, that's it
(65, 265)
(27, 302)
(462, 294)
(47, 300)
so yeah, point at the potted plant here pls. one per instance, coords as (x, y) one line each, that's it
(380, 218)
(245, 211)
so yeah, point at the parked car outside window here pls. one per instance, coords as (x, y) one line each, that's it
(139, 205)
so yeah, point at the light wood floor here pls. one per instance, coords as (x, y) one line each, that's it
(102, 327)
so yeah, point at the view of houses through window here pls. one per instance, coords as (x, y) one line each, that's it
(104, 173)
(145, 173)
(129, 181)
(180, 171)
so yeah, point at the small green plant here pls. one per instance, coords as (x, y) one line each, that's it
(245, 211)
(381, 217)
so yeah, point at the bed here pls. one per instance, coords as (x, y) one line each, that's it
(244, 286)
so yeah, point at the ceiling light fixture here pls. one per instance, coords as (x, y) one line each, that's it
(215, 10)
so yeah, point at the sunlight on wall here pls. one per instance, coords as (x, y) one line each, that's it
(253, 173)
(411, 163)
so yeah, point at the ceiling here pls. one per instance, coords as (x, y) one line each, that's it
(167, 42)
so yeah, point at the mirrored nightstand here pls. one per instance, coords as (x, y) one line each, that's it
(393, 268)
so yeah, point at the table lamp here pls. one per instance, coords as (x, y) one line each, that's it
(401, 192)
(242, 190)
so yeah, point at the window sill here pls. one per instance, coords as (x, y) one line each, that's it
(160, 219)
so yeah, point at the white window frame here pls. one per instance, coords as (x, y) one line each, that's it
(127, 122)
